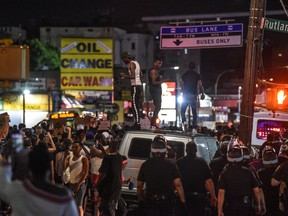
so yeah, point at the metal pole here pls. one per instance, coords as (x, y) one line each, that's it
(23, 95)
(217, 80)
(252, 68)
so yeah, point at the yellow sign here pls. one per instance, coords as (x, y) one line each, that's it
(86, 63)
(62, 115)
(32, 102)
(87, 81)
(86, 46)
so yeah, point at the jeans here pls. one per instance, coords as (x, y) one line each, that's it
(156, 94)
(192, 100)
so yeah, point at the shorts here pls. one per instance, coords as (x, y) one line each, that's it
(79, 195)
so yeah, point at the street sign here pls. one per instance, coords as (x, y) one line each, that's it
(274, 25)
(205, 36)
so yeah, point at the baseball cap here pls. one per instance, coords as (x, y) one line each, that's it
(127, 54)
(106, 135)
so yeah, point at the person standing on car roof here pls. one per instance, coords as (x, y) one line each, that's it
(162, 178)
(155, 89)
(197, 180)
(135, 76)
(237, 185)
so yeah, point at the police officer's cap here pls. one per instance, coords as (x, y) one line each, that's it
(269, 155)
(234, 151)
(160, 137)
(246, 152)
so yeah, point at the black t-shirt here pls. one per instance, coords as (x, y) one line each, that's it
(237, 181)
(190, 82)
(159, 174)
(217, 165)
(194, 171)
(281, 173)
(271, 193)
(110, 188)
(157, 78)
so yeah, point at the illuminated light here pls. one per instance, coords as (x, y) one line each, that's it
(280, 55)
(180, 99)
(26, 91)
(281, 97)
(176, 67)
(271, 79)
(158, 121)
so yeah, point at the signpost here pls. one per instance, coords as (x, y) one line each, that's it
(205, 36)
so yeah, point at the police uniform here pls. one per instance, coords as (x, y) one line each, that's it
(237, 184)
(195, 172)
(159, 175)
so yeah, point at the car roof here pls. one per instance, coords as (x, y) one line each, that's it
(168, 133)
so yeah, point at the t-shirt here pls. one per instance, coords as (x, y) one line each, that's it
(159, 174)
(110, 187)
(237, 181)
(194, 172)
(190, 80)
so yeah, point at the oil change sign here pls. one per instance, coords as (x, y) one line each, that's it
(86, 64)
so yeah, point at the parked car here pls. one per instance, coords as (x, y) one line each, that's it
(136, 145)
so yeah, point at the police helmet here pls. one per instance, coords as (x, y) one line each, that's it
(284, 150)
(223, 147)
(269, 155)
(246, 152)
(234, 151)
(159, 146)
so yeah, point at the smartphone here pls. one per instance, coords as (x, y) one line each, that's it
(17, 142)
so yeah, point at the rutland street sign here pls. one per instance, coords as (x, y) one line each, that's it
(275, 25)
(205, 36)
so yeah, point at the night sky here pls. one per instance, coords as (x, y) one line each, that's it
(88, 12)
(31, 14)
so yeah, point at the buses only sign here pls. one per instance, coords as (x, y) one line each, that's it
(204, 36)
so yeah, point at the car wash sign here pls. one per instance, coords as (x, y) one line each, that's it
(204, 36)
(86, 64)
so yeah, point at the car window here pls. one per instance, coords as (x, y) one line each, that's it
(206, 147)
(176, 151)
(140, 148)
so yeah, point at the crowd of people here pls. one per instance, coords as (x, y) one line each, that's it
(56, 170)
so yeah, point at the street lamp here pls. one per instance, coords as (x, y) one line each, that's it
(218, 77)
(25, 92)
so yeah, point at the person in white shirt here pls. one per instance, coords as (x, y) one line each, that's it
(36, 196)
(135, 76)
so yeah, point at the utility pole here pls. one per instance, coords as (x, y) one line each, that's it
(252, 68)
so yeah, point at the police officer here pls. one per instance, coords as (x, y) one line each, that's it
(162, 178)
(280, 177)
(270, 160)
(236, 186)
(197, 180)
(217, 164)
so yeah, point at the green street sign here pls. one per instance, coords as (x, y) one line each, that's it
(274, 25)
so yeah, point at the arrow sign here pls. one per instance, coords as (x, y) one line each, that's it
(177, 42)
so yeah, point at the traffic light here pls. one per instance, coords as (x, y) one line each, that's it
(276, 98)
